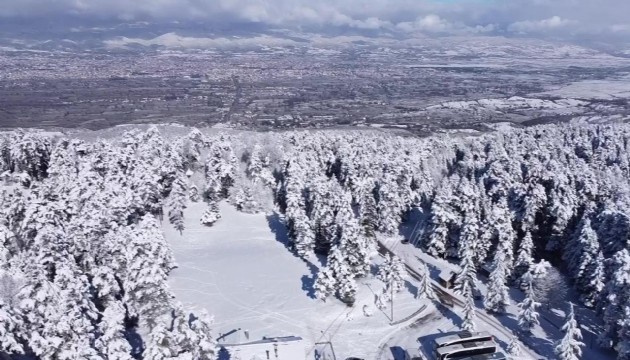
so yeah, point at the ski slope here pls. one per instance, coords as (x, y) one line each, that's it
(240, 271)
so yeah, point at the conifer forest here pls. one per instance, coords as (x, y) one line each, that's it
(85, 262)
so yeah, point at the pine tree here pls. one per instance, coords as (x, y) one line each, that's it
(193, 193)
(442, 217)
(465, 281)
(524, 259)
(514, 348)
(211, 214)
(389, 206)
(392, 273)
(303, 235)
(616, 297)
(505, 233)
(249, 205)
(355, 246)
(369, 215)
(528, 309)
(10, 328)
(570, 347)
(585, 262)
(469, 310)
(205, 347)
(425, 290)
(158, 346)
(325, 285)
(177, 203)
(112, 343)
(498, 298)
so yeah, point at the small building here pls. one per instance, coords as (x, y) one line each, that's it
(276, 348)
(447, 278)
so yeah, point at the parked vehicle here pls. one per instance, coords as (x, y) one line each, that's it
(463, 350)
(462, 337)
(494, 356)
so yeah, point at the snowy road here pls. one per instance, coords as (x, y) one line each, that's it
(482, 316)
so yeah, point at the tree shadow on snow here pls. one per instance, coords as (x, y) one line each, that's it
(540, 345)
(223, 354)
(449, 314)
(279, 229)
(374, 269)
(376, 300)
(414, 225)
(434, 271)
(413, 290)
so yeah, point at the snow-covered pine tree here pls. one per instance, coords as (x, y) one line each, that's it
(325, 284)
(205, 348)
(301, 232)
(112, 343)
(570, 347)
(498, 298)
(506, 236)
(585, 262)
(211, 214)
(389, 207)
(528, 309)
(392, 273)
(158, 345)
(355, 246)
(616, 299)
(250, 202)
(465, 281)
(177, 203)
(442, 217)
(514, 348)
(369, 215)
(345, 284)
(524, 258)
(146, 290)
(425, 290)
(193, 193)
(10, 328)
(470, 313)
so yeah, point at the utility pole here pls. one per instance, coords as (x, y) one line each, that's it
(391, 287)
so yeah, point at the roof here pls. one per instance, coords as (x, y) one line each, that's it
(446, 275)
(468, 345)
(266, 340)
(462, 335)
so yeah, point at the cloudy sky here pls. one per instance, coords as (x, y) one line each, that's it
(530, 17)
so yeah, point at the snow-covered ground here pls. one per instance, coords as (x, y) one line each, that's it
(512, 103)
(537, 345)
(242, 273)
(594, 89)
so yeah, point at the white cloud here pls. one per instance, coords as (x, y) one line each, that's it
(552, 23)
(428, 23)
(620, 28)
(172, 40)
(430, 16)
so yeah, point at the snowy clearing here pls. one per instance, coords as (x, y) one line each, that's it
(242, 273)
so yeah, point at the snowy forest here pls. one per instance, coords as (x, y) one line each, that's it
(84, 263)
